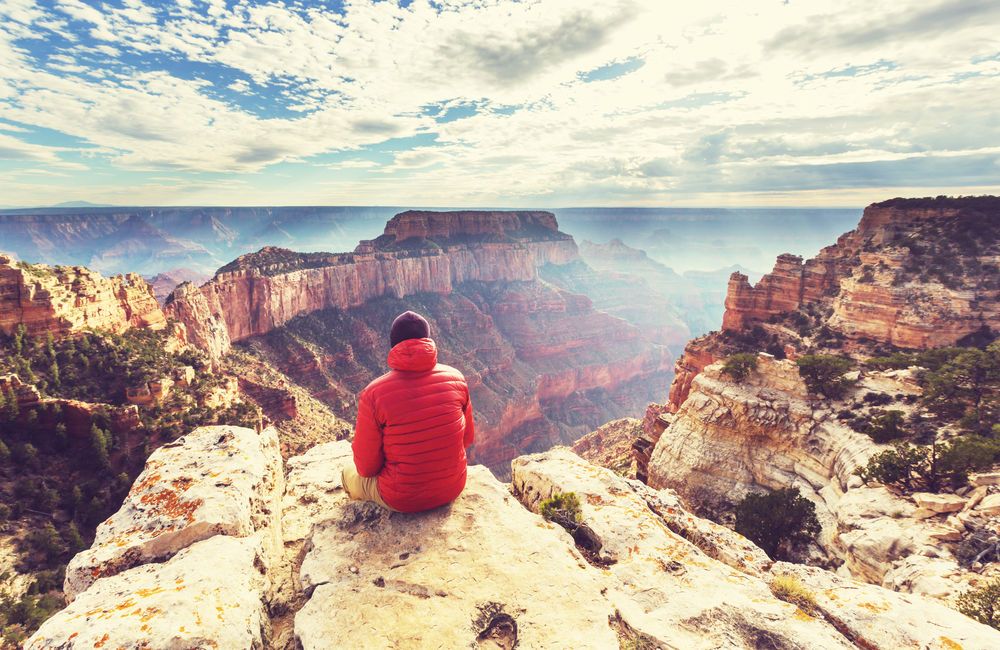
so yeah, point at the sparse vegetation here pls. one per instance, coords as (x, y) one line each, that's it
(966, 388)
(791, 590)
(824, 374)
(62, 473)
(982, 604)
(739, 366)
(561, 506)
(885, 426)
(930, 468)
(779, 522)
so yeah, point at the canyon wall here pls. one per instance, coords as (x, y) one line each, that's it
(64, 299)
(207, 551)
(258, 296)
(875, 278)
(915, 274)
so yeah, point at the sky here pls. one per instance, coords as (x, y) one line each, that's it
(530, 103)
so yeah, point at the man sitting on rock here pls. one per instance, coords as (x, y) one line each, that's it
(414, 423)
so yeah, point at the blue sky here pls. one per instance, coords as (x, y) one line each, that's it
(497, 102)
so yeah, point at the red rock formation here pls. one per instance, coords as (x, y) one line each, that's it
(261, 292)
(67, 299)
(447, 225)
(891, 308)
(873, 284)
(699, 353)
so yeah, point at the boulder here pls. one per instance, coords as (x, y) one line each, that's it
(986, 478)
(939, 503)
(208, 595)
(989, 505)
(218, 480)
(482, 569)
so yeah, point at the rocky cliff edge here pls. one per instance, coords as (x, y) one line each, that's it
(218, 545)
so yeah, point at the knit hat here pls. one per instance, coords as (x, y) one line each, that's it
(408, 325)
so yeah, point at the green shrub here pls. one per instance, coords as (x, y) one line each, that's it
(824, 374)
(561, 507)
(739, 366)
(884, 426)
(778, 521)
(966, 388)
(791, 590)
(930, 468)
(982, 604)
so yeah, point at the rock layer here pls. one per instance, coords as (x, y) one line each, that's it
(64, 299)
(179, 500)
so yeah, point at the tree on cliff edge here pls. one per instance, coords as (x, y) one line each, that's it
(778, 521)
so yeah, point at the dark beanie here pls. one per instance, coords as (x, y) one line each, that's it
(408, 325)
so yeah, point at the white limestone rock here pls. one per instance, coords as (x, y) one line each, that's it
(881, 619)
(481, 568)
(939, 503)
(208, 595)
(989, 505)
(218, 480)
(663, 585)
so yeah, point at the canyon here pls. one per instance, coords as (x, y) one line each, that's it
(544, 365)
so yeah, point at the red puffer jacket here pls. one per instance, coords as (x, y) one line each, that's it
(414, 423)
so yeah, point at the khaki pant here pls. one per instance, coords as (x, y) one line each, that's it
(361, 488)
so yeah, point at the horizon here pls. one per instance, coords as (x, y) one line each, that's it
(628, 103)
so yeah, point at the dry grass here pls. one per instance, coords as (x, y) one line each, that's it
(791, 590)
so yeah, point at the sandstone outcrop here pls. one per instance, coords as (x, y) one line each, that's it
(64, 299)
(728, 439)
(262, 291)
(485, 571)
(876, 281)
(180, 499)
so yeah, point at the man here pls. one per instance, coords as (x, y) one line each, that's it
(414, 423)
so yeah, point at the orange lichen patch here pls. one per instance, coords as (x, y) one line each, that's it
(595, 499)
(125, 605)
(150, 613)
(74, 635)
(182, 483)
(103, 640)
(951, 645)
(147, 483)
(168, 503)
(874, 607)
(146, 593)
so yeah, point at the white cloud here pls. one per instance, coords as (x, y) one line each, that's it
(727, 93)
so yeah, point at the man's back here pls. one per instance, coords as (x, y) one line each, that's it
(414, 424)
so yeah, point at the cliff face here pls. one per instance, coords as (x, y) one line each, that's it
(911, 275)
(66, 299)
(206, 551)
(731, 438)
(543, 366)
(261, 292)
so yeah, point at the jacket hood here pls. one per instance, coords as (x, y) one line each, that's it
(413, 354)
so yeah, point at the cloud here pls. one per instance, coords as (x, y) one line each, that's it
(505, 102)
